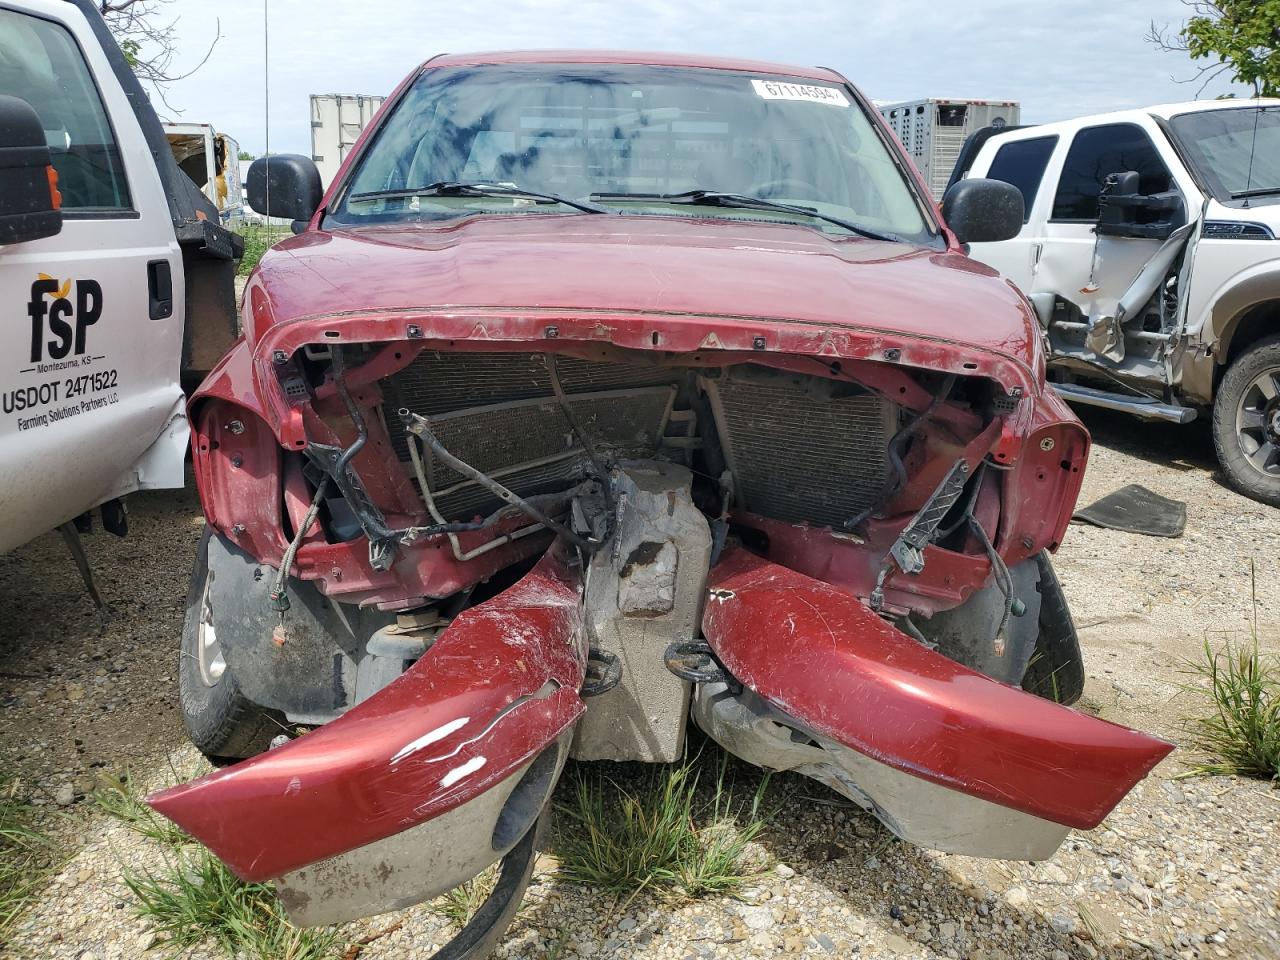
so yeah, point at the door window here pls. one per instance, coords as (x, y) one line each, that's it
(1098, 152)
(41, 63)
(1022, 164)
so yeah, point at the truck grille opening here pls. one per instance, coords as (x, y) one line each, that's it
(802, 449)
(498, 412)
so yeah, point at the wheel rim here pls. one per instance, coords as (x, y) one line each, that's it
(1258, 423)
(208, 650)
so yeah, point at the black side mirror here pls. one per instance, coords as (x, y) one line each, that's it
(1125, 211)
(30, 205)
(295, 191)
(1126, 182)
(983, 211)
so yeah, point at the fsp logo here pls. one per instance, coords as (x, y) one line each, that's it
(66, 322)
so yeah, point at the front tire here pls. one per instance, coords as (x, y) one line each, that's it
(219, 719)
(1246, 422)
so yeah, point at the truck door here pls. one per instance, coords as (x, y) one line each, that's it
(1088, 271)
(1021, 162)
(89, 372)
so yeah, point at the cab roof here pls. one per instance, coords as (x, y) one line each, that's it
(633, 57)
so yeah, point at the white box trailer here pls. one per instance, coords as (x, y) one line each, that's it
(336, 123)
(933, 130)
(212, 161)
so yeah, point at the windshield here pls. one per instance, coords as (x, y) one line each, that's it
(629, 137)
(1222, 147)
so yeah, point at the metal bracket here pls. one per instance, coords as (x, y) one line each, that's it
(694, 661)
(907, 551)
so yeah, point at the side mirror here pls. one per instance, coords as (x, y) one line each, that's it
(983, 211)
(1125, 211)
(295, 191)
(30, 205)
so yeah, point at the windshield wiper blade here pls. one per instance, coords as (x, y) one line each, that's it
(457, 188)
(1259, 192)
(715, 198)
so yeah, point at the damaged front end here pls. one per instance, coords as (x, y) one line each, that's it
(469, 545)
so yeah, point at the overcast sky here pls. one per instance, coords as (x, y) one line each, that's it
(1059, 58)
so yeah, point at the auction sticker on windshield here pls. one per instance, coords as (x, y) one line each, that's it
(808, 93)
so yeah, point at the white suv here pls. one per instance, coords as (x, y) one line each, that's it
(1150, 253)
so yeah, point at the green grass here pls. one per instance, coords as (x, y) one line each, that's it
(665, 836)
(1239, 733)
(193, 898)
(461, 903)
(196, 899)
(26, 858)
(258, 237)
(118, 798)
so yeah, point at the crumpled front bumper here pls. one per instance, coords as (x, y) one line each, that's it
(448, 768)
(424, 784)
(948, 758)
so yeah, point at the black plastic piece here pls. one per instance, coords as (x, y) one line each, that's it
(979, 210)
(484, 930)
(694, 661)
(27, 208)
(1056, 668)
(1124, 211)
(295, 190)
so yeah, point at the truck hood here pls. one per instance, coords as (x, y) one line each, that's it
(642, 264)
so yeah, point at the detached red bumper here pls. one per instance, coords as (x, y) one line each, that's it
(894, 720)
(460, 742)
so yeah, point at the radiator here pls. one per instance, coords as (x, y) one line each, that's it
(798, 455)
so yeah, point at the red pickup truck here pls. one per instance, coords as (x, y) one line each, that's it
(598, 392)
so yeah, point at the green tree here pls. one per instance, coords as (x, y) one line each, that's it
(1240, 37)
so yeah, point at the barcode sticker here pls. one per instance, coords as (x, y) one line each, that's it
(808, 93)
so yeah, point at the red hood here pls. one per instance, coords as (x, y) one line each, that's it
(713, 268)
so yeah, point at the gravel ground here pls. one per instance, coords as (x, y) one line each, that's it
(1183, 867)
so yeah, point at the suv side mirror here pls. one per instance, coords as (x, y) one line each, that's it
(30, 205)
(979, 210)
(295, 190)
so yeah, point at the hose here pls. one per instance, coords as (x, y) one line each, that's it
(279, 591)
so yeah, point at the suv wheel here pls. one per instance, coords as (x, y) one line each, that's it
(1246, 422)
(219, 719)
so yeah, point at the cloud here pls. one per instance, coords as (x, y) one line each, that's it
(1059, 58)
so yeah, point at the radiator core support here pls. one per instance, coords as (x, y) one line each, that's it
(644, 592)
